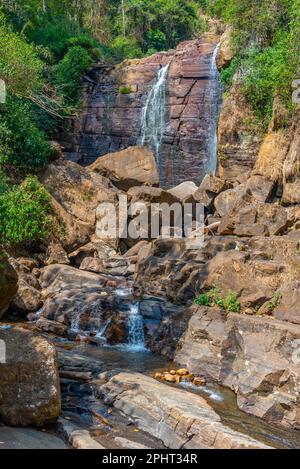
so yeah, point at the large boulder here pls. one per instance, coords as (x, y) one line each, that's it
(256, 357)
(8, 283)
(29, 389)
(179, 419)
(28, 298)
(76, 193)
(131, 167)
(184, 191)
(225, 52)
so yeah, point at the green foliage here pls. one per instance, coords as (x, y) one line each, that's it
(213, 297)
(25, 214)
(67, 73)
(125, 90)
(125, 48)
(266, 41)
(20, 68)
(227, 74)
(203, 300)
(275, 301)
(3, 182)
(23, 144)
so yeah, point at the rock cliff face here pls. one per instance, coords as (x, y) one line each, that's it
(116, 97)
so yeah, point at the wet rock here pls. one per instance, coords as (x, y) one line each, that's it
(8, 283)
(52, 327)
(30, 390)
(256, 357)
(29, 438)
(180, 420)
(58, 277)
(131, 167)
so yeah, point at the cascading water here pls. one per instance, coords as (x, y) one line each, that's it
(136, 337)
(154, 115)
(215, 102)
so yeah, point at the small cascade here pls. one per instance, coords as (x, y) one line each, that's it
(215, 99)
(154, 115)
(136, 337)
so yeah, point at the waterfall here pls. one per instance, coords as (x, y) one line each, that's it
(136, 338)
(215, 102)
(154, 114)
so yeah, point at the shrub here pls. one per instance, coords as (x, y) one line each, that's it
(23, 144)
(125, 90)
(203, 300)
(125, 48)
(25, 214)
(275, 301)
(20, 68)
(213, 297)
(68, 72)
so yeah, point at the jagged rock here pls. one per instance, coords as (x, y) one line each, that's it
(52, 326)
(271, 156)
(30, 389)
(288, 308)
(94, 249)
(92, 264)
(8, 283)
(210, 187)
(152, 195)
(111, 121)
(131, 167)
(291, 171)
(28, 297)
(255, 357)
(225, 53)
(56, 254)
(231, 198)
(238, 145)
(60, 277)
(260, 187)
(184, 191)
(181, 420)
(254, 220)
(76, 193)
(135, 250)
